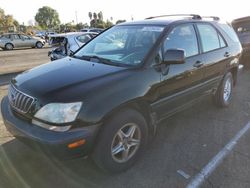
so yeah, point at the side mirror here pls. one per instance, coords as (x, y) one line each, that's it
(174, 56)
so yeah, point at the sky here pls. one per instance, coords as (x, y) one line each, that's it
(77, 10)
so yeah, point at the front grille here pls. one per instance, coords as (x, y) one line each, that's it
(19, 100)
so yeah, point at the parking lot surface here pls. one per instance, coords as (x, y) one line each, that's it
(183, 146)
(22, 59)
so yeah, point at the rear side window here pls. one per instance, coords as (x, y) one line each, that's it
(5, 36)
(210, 38)
(15, 37)
(83, 38)
(230, 32)
(222, 42)
(182, 37)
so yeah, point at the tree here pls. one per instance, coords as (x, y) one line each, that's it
(90, 16)
(47, 17)
(1, 14)
(7, 21)
(80, 26)
(108, 24)
(100, 15)
(95, 16)
(120, 21)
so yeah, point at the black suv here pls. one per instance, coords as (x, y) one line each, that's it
(107, 99)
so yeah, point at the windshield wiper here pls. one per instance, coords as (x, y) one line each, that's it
(100, 60)
(93, 57)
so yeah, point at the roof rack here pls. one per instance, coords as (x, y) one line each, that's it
(193, 16)
(215, 18)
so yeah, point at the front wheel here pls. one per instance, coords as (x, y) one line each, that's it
(121, 141)
(39, 45)
(223, 94)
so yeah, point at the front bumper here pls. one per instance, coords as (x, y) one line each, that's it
(51, 142)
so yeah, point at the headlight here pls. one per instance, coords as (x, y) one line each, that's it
(59, 112)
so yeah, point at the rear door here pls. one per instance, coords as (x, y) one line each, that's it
(16, 40)
(216, 54)
(180, 84)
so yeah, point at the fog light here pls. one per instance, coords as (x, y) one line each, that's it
(76, 144)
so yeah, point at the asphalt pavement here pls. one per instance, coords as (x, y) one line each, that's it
(22, 59)
(183, 146)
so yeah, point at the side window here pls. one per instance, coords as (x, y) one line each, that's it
(222, 42)
(182, 37)
(15, 37)
(230, 32)
(209, 37)
(83, 38)
(24, 37)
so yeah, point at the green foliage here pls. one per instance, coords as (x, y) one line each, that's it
(90, 15)
(120, 21)
(108, 24)
(1, 14)
(7, 22)
(69, 27)
(47, 17)
(96, 20)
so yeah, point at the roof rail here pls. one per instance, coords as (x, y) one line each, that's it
(194, 16)
(215, 18)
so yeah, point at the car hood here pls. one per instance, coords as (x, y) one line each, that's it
(60, 78)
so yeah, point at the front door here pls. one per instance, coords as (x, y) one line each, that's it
(180, 84)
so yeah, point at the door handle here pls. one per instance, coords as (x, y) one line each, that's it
(227, 54)
(198, 64)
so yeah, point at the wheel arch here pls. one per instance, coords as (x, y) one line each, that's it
(10, 44)
(140, 105)
(234, 72)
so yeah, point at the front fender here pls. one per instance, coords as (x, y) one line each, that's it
(111, 97)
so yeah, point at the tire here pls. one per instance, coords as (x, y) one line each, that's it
(39, 45)
(111, 149)
(223, 94)
(9, 46)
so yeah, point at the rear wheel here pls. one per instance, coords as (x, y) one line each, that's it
(121, 141)
(223, 94)
(39, 45)
(9, 46)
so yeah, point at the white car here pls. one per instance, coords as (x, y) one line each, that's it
(68, 43)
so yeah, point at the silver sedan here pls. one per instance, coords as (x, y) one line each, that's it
(9, 41)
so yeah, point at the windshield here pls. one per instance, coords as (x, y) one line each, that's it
(124, 45)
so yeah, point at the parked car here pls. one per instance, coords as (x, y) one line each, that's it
(68, 43)
(107, 100)
(95, 30)
(40, 34)
(9, 41)
(242, 28)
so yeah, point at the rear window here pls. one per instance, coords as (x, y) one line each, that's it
(56, 40)
(230, 32)
(84, 30)
(5, 36)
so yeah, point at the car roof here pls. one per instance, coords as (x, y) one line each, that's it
(13, 34)
(73, 34)
(65, 34)
(164, 20)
